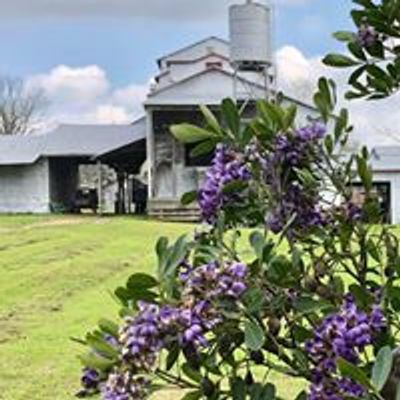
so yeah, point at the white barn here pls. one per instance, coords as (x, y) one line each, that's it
(198, 74)
(38, 171)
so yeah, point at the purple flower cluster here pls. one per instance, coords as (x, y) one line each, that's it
(291, 201)
(226, 168)
(125, 386)
(142, 337)
(295, 150)
(212, 281)
(352, 211)
(91, 380)
(298, 204)
(367, 36)
(343, 335)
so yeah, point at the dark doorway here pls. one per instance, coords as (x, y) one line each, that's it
(382, 190)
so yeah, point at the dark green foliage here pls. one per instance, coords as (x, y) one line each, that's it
(296, 277)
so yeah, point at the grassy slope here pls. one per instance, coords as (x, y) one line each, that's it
(55, 276)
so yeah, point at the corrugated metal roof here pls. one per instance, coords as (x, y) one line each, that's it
(208, 87)
(199, 43)
(20, 149)
(70, 140)
(385, 158)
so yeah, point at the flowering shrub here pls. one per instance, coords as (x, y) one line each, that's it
(314, 295)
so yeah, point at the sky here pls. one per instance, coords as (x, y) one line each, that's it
(94, 59)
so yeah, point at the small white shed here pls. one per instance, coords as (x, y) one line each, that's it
(385, 162)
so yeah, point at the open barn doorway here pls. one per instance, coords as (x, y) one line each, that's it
(382, 191)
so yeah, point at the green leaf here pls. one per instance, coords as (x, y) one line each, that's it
(344, 36)
(354, 95)
(339, 61)
(238, 389)
(357, 74)
(254, 336)
(96, 362)
(329, 145)
(364, 173)
(205, 147)
(191, 373)
(341, 123)
(272, 114)
(357, 51)
(302, 396)
(176, 256)
(257, 242)
(211, 120)
(362, 296)
(194, 395)
(364, 3)
(349, 370)
(109, 327)
(173, 356)
(307, 305)
(290, 117)
(189, 198)
(269, 392)
(231, 116)
(382, 368)
(161, 250)
(141, 282)
(234, 186)
(102, 347)
(326, 93)
(322, 105)
(373, 250)
(394, 297)
(253, 299)
(187, 133)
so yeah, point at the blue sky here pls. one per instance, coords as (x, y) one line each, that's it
(126, 46)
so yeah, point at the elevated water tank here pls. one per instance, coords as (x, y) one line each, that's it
(250, 35)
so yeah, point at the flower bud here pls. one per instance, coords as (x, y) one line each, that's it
(274, 326)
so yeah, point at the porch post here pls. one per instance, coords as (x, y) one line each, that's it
(100, 187)
(150, 152)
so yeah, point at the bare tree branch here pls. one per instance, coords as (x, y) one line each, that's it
(19, 107)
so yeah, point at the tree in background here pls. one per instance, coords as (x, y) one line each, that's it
(20, 107)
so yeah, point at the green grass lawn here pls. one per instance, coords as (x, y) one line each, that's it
(56, 274)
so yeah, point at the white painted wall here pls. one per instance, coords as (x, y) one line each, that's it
(25, 188)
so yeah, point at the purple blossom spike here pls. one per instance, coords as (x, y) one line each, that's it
(291, 202)
(344, 335)
(226, 168)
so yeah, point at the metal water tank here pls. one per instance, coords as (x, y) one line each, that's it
(250, 35)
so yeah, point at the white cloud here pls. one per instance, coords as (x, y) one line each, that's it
(131, 97)
(72, 84)
(375, 123)
(85, 95)
(108, 113)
